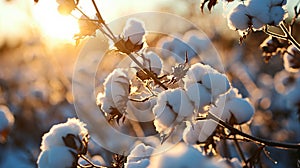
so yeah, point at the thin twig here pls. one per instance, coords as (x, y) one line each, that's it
(239, 150)
(101, 21)
(91, 163)
(257, 140)
(266, 30)
(289, 36)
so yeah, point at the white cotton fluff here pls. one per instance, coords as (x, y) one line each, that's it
(6, 118)
(218, 83)
(134, 30)
(56, 156)
(291, 59)
(259, 9)
(191, 133)
(241, 109)
(178, 100)
(151, 61)
(257, 24)
(238, 19)
(207, 128)
(277, 14)
(232, 104)
(139, 152)
(164, 117)
(199, 131)
(179, 156)
(139, 164)
(139, 156)
(53, 138)
(141, 111)
(199, 95)
(116, 91)
(195, 74)
(221, 109)
(172, 106)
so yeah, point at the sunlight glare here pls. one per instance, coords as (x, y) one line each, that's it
(54, 26)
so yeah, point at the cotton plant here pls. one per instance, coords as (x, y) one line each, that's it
(194, 101)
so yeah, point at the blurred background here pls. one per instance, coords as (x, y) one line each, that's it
(38, 55)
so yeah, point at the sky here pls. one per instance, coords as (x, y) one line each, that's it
(25, 17)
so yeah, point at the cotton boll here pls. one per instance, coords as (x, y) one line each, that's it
(141, 111)
(195, 74)
(277, 14)
(55, 136)
(216, 82)
(259, 9)
(179, 156)
(172, 106)
(6, 118)
(164, 117)
(291, 59)
(199, 95)
(134, 30)
(116, 91)
(190, 135)
(238, 18)
(192, 132)
(257, 24)
(178, 100)
(207, 128)
(221, 109)
(232, 93)
(139, 152)
(241, 109)
(56, 156)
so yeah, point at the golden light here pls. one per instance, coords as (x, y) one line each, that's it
(54, 26)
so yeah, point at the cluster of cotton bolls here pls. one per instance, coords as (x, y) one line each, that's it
(256, 14)
(6, 122)
(230, 107)
(61, 146)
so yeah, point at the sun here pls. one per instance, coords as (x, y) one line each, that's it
(54, 26)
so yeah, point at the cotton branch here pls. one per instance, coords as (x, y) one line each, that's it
(257, 140)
